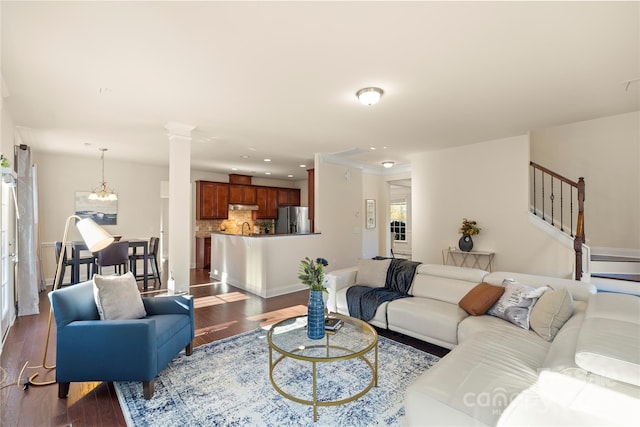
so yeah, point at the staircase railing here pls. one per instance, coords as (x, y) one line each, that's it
(555, 199)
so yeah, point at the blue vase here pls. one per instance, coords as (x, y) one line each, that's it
(315, 316)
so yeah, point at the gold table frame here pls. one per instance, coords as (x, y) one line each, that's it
(326, 343)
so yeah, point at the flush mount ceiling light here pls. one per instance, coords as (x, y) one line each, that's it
(369, 95)
(103, 192)
(387, 164)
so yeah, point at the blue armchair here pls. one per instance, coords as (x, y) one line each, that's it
(90, 349)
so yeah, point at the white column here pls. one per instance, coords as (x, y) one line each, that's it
(179, 205)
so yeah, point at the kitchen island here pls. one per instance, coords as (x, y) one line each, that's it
(263, 264)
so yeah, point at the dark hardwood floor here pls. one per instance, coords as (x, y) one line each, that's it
(221, 311)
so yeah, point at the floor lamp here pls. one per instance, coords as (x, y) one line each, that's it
(96, 238)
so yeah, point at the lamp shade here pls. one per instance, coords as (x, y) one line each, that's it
(96, 237)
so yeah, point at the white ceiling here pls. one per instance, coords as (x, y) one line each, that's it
(278, 80)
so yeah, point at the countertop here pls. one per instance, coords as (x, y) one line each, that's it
(257, 236)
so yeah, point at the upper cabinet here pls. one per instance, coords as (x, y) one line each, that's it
(288, 197)
(212, 200)
(242, 194)
(267, 200)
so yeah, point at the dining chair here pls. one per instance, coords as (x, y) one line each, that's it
(115, 255)
(154, 244)
(88, 261)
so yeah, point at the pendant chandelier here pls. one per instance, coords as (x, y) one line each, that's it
(103, 192)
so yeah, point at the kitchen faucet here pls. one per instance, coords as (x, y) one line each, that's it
(248, 225)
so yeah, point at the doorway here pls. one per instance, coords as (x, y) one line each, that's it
(400, 218)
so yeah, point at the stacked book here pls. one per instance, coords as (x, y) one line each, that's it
(332, 324)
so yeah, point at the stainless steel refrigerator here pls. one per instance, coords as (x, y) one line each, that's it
(293, 220)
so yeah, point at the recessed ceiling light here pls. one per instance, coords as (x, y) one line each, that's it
(387, 164)
(267, 160)
(303, 166)
(369, 95)
(290, 176)
(267, 173)
(234, 169)
(372, 148)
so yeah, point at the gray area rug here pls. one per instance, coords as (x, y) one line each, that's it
(226, 383)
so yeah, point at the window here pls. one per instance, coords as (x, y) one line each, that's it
(398, 216)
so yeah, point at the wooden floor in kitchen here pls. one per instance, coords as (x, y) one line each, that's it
(221, 311)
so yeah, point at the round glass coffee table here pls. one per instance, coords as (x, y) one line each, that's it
(355, 339)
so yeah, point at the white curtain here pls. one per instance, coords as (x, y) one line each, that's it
(28, 265)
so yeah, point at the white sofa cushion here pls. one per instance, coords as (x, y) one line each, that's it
(609, 341)
(445, 282)
(483, 324)
(561, 356)
(560, 400)
(479, 377)
(380, 318)
(426, 319)
(581, 291)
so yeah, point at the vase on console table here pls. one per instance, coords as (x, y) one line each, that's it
(465, 243)
(315, 315)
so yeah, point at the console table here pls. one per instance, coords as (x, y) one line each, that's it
(474, 259)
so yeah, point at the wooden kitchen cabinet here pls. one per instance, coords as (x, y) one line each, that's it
(203, 252)
(242, 194)
(288, 197)
(212, 200)
(267, 201)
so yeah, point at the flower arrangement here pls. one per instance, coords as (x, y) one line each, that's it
(469, 228)
(4, 162)
(312, 273)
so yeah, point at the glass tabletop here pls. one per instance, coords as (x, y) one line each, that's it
(355, 337)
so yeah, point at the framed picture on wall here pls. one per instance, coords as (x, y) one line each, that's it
(103, 212)
(370, 209)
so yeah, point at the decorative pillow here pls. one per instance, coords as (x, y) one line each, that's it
(516, 303)
(372, 272)
(117, 297)
(551, 311)
(480, 299)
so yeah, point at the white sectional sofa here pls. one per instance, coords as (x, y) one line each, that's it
(500, 374)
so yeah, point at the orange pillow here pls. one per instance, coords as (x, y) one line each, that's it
(480, 299)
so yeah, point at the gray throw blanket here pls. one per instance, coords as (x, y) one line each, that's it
(363, 301)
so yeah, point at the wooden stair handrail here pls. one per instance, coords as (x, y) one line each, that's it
(554, 174)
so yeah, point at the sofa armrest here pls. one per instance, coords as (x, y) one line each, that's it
(339, 279)
(175, 304)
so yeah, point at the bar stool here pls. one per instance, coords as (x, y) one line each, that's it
(152, 256)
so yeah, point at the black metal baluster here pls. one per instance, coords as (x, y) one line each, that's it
(533, 170)
(543, 217)
(561, 209)
(552, 197)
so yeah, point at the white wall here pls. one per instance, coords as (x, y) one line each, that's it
(339, 214)
(606, 152)
(487, 182)
(373, 238)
